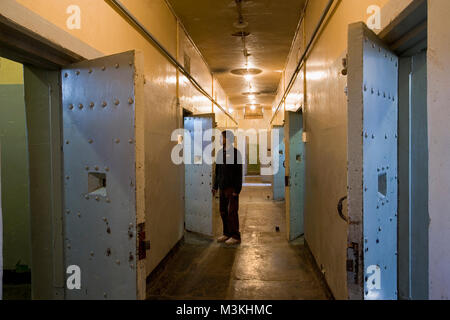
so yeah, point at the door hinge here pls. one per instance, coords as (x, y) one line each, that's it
(350, 265)
(352, 260)
(144, 245)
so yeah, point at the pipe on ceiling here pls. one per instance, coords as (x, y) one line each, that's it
(303, 58)
(131, 18)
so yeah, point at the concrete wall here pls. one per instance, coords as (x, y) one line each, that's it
(14, 151)
(105, 30)
(439, 150)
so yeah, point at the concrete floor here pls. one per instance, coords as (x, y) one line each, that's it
(265, 266)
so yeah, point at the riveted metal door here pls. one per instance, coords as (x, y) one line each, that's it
(100, 182)
(278, 155)
(372, 155)
(199, 216)
(295, 190)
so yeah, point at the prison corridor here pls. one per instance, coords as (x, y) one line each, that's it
(265, 265)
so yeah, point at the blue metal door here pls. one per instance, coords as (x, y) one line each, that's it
(199, 216)
(372, 172)
(278, 158)
(295, 191)
(101, 221)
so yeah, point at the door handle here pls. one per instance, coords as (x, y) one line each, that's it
(340, 207)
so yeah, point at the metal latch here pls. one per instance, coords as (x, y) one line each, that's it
(287, 181)
(143, 245)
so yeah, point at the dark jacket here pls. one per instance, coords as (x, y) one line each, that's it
(228, 173)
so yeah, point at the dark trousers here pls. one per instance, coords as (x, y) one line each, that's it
(229, 207)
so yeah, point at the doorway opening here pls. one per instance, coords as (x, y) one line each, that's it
(15, 205)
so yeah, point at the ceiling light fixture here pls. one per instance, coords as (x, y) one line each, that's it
(251, 92)
(246, 71)
(240, 24)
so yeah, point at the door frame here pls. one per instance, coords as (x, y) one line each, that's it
(407, 35)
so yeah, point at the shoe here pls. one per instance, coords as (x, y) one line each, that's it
(232, 242)
(223, 239)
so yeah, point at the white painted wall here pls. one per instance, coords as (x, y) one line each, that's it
(439, 147)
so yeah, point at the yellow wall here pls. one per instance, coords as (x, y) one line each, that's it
(10, 72)
(439, 151)
(106, 31)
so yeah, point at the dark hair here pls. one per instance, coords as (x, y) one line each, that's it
(228, 134)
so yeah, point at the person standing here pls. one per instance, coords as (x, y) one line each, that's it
(228, 181)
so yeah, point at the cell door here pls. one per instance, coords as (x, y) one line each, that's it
(103, 163)
(372, 171)
(278, 155)
(199, 216)
(295, 170)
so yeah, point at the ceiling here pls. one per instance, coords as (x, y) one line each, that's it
(272, 25)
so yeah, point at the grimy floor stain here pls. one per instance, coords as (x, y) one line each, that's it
(264, 267)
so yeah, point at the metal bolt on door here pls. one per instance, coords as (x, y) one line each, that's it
(372, 154)
(100, 181)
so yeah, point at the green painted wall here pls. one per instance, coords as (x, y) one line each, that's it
(14, 167)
